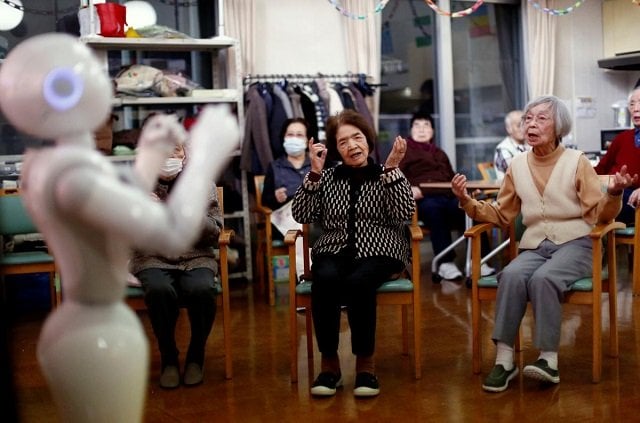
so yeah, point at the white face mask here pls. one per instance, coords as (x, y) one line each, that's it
(294, 146)
(171, 168)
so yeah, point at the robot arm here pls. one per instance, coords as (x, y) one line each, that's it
(125, 211)
(159, 137)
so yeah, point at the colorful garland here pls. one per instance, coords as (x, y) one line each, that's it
(351, 15)
(465, 12)
(557, 12)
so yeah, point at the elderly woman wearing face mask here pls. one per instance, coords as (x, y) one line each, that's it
(285, 174)
(189, 277)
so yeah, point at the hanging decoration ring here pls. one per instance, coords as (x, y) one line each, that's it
(556, 12)
(377, 9)
(458, 14)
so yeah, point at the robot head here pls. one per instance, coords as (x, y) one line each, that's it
(53, 87)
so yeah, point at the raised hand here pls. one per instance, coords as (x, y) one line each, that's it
(317, 155)
(621, 180)
(397, 152)
(459, 188)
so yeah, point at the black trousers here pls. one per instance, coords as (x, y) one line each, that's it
(165, 290)
(342, 280)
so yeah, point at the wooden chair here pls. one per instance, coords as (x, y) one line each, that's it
(631, 238)
(404, 291)
(487, 171)
(135, 295)
(586, 291)
(268, 248)
(14, 220)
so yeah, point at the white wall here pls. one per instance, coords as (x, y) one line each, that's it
(306, 36)
(299, 36)
(580, 45)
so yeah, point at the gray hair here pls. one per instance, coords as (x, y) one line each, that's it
(514, 116)
(631, 93)
(559, 113)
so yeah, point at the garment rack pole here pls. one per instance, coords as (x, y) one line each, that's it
(342, 77)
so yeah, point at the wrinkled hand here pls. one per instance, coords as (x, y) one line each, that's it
(417, 193)
(459, 188)
(396, 155)
(317, 156)
(281, 195)
(620, 181)
(634, 198)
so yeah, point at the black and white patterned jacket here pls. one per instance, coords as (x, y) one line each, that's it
(362, 211)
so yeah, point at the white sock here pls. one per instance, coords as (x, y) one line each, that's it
(551, 357)
(504, 355)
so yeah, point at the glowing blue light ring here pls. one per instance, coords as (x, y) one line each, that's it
(62, 103)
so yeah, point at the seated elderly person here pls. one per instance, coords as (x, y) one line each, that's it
(625, 151)
(558, 194)
(438, 210)
(189, 277)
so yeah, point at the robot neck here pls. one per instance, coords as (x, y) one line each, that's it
(80, 140)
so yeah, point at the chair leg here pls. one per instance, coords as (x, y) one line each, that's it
(309, 329)
(269, 277)
(53, 292)
(417, 339)
(597, 340)
(405, 330)
(635, 275)
(476, 352)
(260, 267)
(293, 339)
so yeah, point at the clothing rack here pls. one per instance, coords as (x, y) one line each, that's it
(296, 77)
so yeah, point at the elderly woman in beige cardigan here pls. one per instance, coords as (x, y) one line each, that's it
(559, 196)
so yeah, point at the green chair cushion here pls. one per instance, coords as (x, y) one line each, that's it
(628, 231)
(396, 285)
(27, 257)
(584, 284)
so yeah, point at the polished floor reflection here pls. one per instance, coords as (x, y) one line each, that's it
(260, 390)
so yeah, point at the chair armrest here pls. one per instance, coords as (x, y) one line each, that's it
(225, 237)
(291, 236)
(476, 230)
(601, 229)
(264, 210)
(416, 232)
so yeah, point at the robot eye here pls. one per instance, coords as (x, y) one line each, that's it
(62, 88)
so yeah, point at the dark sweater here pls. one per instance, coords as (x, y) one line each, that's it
(425, 163)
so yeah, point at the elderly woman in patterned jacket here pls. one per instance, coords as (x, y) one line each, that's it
(361, 208)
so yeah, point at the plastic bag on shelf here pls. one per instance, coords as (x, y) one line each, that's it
(168, 84)
(137, 80)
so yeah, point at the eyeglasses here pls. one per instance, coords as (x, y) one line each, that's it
(540, 119)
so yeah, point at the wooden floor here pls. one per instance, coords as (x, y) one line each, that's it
(261, 391)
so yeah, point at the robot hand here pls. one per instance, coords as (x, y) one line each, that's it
(163, 133)
(215, 134)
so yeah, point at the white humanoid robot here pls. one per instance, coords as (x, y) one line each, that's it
(92, 348)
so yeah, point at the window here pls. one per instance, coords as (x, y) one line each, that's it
(487, 73)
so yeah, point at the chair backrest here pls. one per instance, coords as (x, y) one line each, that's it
(221, 201)
(14, 218)
(487, 171)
